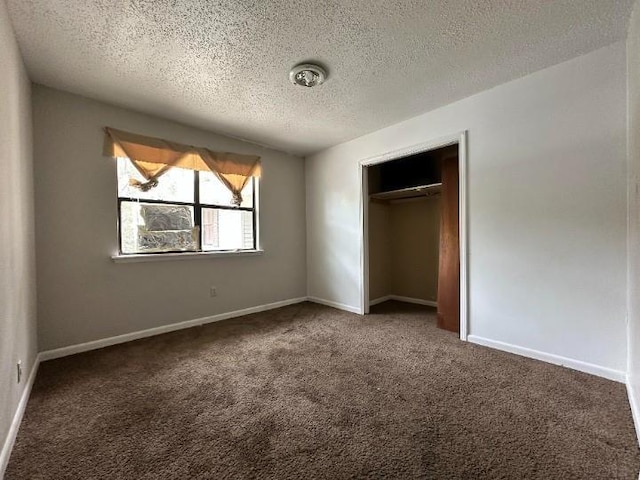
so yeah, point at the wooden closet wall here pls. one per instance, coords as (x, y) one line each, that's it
(449, 267)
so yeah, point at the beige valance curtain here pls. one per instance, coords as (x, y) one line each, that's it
(152, 157)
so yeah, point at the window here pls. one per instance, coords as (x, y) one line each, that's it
(184, 210)
(174, 197)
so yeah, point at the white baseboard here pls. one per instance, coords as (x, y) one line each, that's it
(379, 300)
(339, 306)
(417, 301)
(127, 337)
(634, 402)
(616, 375)
(400, 298)
(10, 440)
(7, 447)
(611, 374)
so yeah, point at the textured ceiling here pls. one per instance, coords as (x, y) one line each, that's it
(223, 64)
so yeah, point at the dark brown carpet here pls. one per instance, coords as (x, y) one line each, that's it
(308, 392)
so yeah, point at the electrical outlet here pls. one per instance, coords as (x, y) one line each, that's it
(213, 291)
(19, 371)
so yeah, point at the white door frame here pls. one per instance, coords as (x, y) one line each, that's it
(461, 140)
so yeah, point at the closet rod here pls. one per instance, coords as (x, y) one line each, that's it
(410, 192)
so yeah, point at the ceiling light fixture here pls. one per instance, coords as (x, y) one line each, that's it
(307, 75)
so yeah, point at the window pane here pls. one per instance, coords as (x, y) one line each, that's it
(176, 185)
(213, 191)
(146, 228)
(227, 229)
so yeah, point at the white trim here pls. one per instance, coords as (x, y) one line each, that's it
(634, 403)
(400, 298)
(7, 447)
(417, 301)
(162, 257)
(463, 236)
(338, 305)
(127, 337)
(9, 442)
(12, 434)
(379, 300)
(413, 149)
(364, 239)
(460, 139)
(610, 373)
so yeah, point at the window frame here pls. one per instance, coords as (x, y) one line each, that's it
(197, 218)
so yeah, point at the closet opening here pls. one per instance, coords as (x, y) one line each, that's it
(413, 231)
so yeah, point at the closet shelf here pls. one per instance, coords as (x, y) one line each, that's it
(411, 192)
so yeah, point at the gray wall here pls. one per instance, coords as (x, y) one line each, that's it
(633, 85)
(415, 247)
(379, 250)
(83, 295)
(546, 203)
(17, 253)
(404, 246)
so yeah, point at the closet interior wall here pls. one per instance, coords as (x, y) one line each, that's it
(404, 226)
(404, 238)
(415, 224)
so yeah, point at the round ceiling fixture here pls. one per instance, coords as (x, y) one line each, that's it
(307, 75)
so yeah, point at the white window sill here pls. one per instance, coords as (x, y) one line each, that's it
(161, 257)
